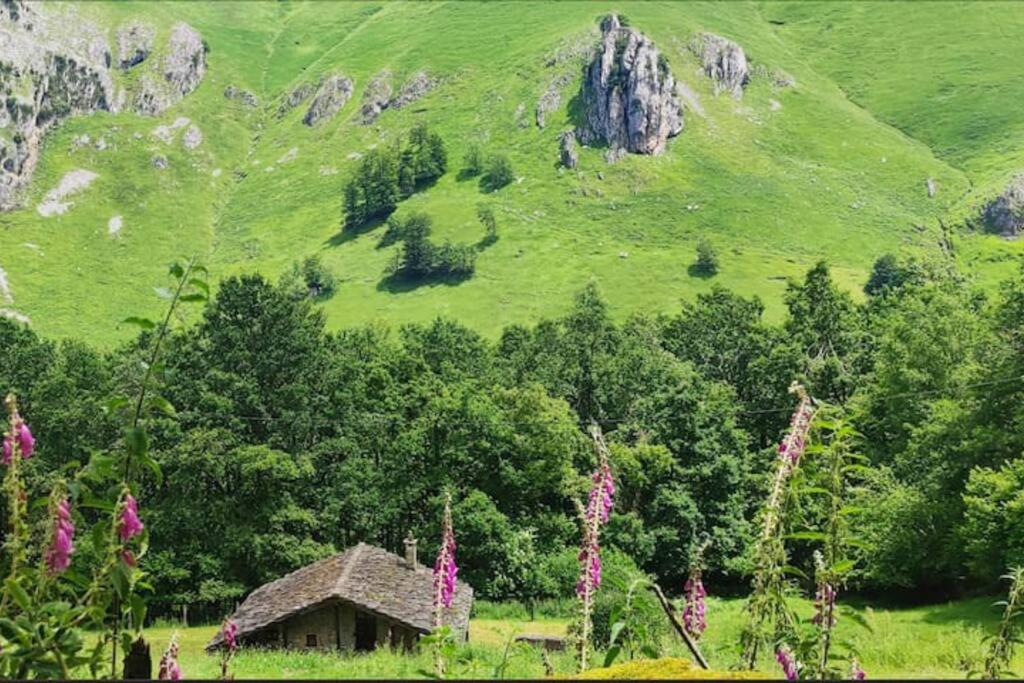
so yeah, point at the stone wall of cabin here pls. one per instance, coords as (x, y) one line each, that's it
(327, 622)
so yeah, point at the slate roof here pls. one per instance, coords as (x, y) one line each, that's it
(370, 579)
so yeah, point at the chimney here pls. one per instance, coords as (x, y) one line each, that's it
(410, 551)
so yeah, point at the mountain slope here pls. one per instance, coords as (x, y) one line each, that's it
(832, 167)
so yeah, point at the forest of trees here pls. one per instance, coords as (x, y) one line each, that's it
(290, 442)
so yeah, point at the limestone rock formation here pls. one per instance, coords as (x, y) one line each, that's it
(185, 62)
(49, 70)
(724, 62)
(628, 93)
(376, 97)
(134, 43)
(1005, 213)
(551, 99)
(568, 154)
(331, 96)
(192, 138)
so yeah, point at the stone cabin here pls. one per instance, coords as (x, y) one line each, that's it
(356, 600)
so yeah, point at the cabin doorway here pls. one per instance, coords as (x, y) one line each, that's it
(366, 632)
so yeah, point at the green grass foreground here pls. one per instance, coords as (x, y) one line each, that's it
(937, 641)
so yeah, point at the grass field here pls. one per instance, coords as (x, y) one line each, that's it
(833, 167)
(938, 641)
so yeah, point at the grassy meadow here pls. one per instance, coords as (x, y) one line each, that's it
(936, 641)
(831, 167)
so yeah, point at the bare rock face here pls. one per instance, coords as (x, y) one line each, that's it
(376, 97)
(192, 138)
(724, 62)
(332, 95)
(551, 98)
(1005, 213)
(629, 93)
(567, 153)
(134, 43)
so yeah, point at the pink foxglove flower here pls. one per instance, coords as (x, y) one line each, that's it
(128, 557)
(793, 445)
(230, 633)
(695, 609)
(857, 673)
(790, 667)
(26, 442)
(445, 569)
(58, 555)
(170, 670)
(129, 525)
(599, 506)
(8, 450)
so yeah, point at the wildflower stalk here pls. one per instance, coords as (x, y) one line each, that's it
(1000, 651)
(14, 490)
(170, 669)
(445, 572)
(599, 504)
(695, 607)
(229, 630)
(766, 603)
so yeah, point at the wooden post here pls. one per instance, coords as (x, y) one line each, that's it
(690, 643)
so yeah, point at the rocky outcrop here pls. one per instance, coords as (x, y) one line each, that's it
(49, 70)
(724, 62)
(180, 72)
(243, 96)
(376, 97)
(331, 96)
(185, 62)
(1005, 213)
(418, 85)
(57, 200)
(134, 43)
(568, 155)
(628, 94)
(296, 97)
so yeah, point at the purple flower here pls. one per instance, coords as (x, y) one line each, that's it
(26, 442)
(230, 633)
(788, 663)
(445, 569)
(8, 450)
(824, 605)
(58, 555)
(792, 446)
(695, 609)
(857, 673)
(128, 557)
(129, 524)
(170, 670)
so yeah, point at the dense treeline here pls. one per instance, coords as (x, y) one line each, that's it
(290, 441)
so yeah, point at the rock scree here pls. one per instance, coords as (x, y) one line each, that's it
(56, 200)
(134, 43)
(568, 155)
(628, 94)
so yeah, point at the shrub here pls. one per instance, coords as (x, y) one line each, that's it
(992, 530)
(486, 215)
(473, 161)
(707, 259)
(499, 172)
(318, 279)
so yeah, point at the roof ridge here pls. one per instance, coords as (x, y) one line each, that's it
(350, 563)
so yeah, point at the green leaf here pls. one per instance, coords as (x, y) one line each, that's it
(611, 654)
(176, 270)
(144, 323)
(194, 296)
(162, 404)
(615, 632)
(842, 566)
(138, 606)
(137, 441)
(807, 536)
(18, 594)
(200, 284)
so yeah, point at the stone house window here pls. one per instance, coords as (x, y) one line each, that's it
(311, 640)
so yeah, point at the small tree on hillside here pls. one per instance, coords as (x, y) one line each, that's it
(473, 162)
(707, 259)
(499, 172)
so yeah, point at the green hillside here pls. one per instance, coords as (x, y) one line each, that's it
(885, 97)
